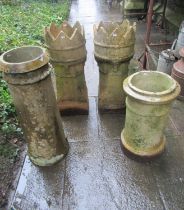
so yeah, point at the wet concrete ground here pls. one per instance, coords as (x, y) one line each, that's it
(96, 175)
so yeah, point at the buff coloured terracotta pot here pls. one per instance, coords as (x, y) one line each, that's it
(66, 48)
(113, 49)
(149, 98)
(28, 74)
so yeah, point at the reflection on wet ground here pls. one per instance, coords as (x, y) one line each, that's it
(96, 174)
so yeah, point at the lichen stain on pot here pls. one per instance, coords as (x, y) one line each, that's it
(113, 49)
(33, 95)
(149, 98)
(67, 51)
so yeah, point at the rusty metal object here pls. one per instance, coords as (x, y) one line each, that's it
(28, 74)
(148, 30)
(178, 73)
(66, 47)
(149, 98)
(114, 47)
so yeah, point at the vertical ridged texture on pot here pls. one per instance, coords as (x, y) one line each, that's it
(149, 98)
(28, 74)
(66, 47)
(113, 49)
(178, 73)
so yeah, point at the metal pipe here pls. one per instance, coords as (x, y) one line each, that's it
(163, 15)
(147, 60)
(148, 30)
(149, 51)
(160, 44)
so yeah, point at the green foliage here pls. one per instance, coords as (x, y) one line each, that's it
(8, 150)
(8, 119)
(10, 2)
(23, 24)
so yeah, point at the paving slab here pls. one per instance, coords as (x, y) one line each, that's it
(168, 171)
(91, 67)
(131, 183)
(170, 129)
(84, 187)
(111, 125)
(82, 127)
(40, 188)
(177, 116)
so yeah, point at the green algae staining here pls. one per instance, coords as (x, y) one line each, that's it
(67, 51)
(149, 98)
(28, 75)
(113, 49)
